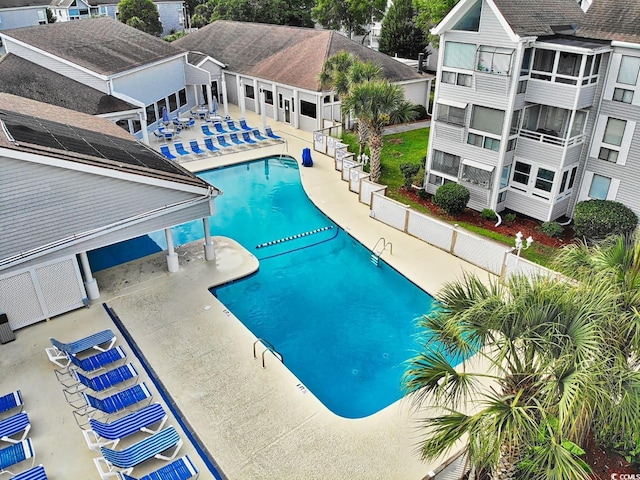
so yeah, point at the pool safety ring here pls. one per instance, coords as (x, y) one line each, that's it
(293, 237)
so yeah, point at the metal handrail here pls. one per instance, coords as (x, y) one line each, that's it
(268, 348)
(385, 244)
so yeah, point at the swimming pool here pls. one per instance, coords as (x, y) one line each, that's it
(344, 326)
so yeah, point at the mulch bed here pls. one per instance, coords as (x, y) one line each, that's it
(528, 226)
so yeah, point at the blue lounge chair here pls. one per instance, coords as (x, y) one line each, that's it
(164, 150)
(208, 143)
(113, 404)
(244, 126)
(248, 139)
(219, 128)
(232, 126)
(102, 434)
(180, 469)
(206, 131)
(96, 362)
(270, 133)
(236, 141)
(259, 136)
(16, 453)
(195, 148)
(12, 426)
(101, 383)
(10, 401)
(159, 136)
(223, 142)
(127, 459)
(60, 352)
(35, 473)
(180, 149)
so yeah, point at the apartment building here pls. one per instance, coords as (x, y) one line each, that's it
(537, 105)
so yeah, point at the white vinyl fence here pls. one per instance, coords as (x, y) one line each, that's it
(489, 255)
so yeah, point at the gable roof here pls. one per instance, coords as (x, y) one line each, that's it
(24, 3)
(612, 20)
(288, 55)
(538, 17)
(27, 79)
(102, 44)
(42, 129)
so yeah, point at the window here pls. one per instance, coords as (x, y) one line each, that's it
(544, 179)
(502, 196)
(268, 97)
(460, 79)
(511, 145)
(526, 61)
(579, 121)
(622, 95)
(470, 22)
(543, 62)
(629, 68)
(504, 176)
(182, 97)
(515, 122)
(151, 114)
(279, 100)
(569, 65)
(599, 187)
(521, 173)
(173, 102)
(608, 154)
(436, 180)
(445, 163)
(565, 176)
(249, 92)
(326, 99)
(459, 55)
(487, 119)
(307, 109)
(614, 131)
(449, 114)
(476, 176)
(522, 86)
(496, 60)
(491, 143)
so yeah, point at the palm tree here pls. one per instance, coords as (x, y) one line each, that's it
(358, 73)
(377, 103)
(546, 383)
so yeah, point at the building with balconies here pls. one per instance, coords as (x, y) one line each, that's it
(536, 105)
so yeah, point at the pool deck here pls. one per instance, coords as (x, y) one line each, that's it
(256, 423)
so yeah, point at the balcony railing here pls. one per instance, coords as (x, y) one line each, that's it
(548, 136)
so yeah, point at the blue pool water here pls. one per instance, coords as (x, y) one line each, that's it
(344, 326)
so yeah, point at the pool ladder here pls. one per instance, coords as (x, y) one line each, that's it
(375, 254)
(268, 348)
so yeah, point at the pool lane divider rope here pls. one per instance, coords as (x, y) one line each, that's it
(293, 237)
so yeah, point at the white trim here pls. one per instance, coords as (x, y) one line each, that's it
(613, 189)
(452, 103)
(481, 166)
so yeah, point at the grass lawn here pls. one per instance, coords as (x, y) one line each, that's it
(411, 147)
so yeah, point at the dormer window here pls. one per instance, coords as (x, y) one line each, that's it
(470, 22)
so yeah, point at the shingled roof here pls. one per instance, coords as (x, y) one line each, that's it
(102, 44)
(24, 3)
(42, 129)
(26, 79)
(537, 17)
(288, 55)
(612, 20)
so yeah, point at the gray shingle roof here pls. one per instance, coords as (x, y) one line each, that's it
(43, 129)
(26, 79)
(528, 17)
(102, 45)
(23, 3)
(612, 20)
(288, 55)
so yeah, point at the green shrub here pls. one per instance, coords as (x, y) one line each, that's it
(552, 229)
(598, 219)
(452, 198)
(422, 193)
(510, 217)
(409, 171)
(489, 214)
(421, 112)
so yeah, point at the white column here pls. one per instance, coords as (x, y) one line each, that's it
(276, 105)
(223, 87)
(209, 247)
(209, 96)
(144, 126)
(172, 256)
(90, 283)
(241, 102)
(263, 113)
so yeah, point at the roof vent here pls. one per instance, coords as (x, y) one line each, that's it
(564, 29)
